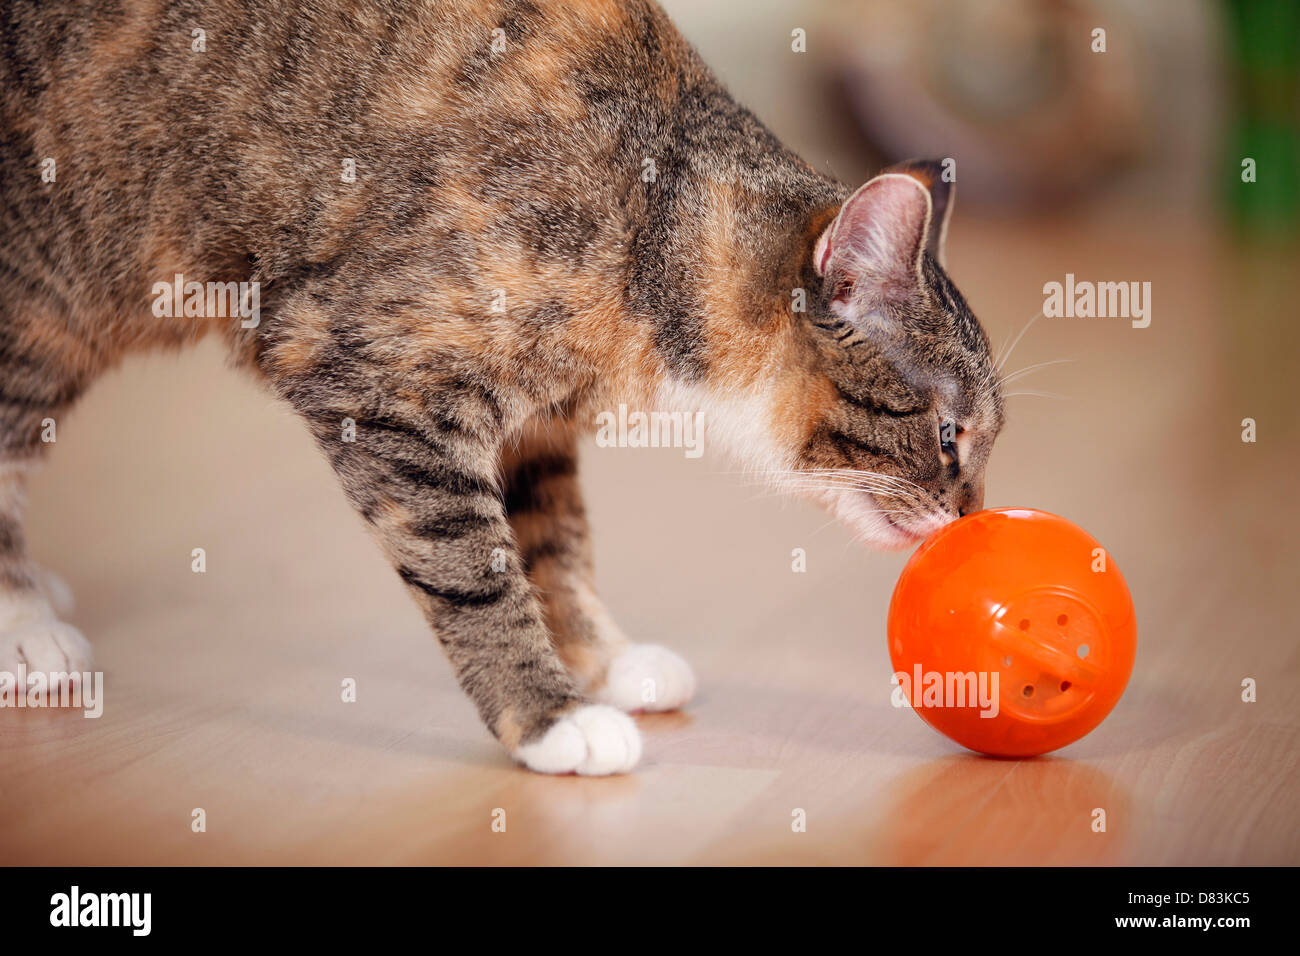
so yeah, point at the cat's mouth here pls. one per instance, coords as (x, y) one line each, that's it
(909, 535)
(880, 525)
(918, 527)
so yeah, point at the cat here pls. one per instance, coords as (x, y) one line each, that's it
(473, 226)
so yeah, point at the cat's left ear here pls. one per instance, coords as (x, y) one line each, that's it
(929, 173)
(885, 225)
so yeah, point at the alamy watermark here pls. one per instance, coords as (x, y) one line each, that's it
(1098, 300)
(37, 689)
(212, 300)
(924, 688)
(654, 429)
(75, 908)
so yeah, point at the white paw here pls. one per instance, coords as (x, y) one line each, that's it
(31, 635)
(592, 740)
(648, 677)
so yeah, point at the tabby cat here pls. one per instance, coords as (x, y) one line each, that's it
(472, 225)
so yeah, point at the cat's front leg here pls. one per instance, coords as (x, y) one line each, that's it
(422, 472)
(544, 504)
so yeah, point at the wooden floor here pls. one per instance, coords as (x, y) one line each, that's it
(223, 688)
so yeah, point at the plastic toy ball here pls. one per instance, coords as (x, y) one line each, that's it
(1012, 632)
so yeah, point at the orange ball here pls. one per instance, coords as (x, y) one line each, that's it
(1012, 632)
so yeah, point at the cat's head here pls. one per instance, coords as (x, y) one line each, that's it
(908, 401)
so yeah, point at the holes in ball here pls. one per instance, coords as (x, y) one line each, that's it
(1082, 651)
(1062, 620)
(1024, 623)
(1028, 690)
(1065, 685)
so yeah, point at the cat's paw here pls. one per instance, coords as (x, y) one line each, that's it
(31, 635)
(592, 740)
(647, 677)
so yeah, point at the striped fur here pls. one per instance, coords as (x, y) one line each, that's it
(503, 267)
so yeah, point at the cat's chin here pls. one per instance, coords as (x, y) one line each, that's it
(874, 528)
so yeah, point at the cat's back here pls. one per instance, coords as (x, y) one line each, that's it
(216, 137)
(192, 95)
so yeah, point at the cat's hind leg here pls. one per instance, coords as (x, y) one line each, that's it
(544, 504)
(36, 384)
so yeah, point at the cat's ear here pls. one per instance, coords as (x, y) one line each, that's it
(930, 174)
(879, 236)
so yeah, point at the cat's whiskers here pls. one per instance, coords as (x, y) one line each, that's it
(1002, 359)
(833, 488)
(888, 499)
(858, 476)
(1028, 369)
(838, 480)
(1039, 394)
(857, 472)
(891, 512)
(847, 482)
(809, 488)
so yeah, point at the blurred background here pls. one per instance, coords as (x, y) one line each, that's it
(1122, 165)
(1043, 115)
